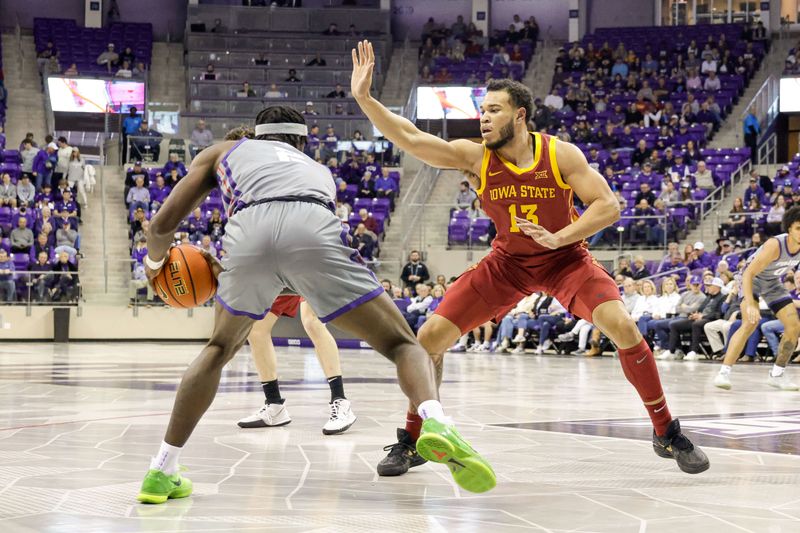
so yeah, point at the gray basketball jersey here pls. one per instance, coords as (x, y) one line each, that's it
(785, 263)
(255, 170)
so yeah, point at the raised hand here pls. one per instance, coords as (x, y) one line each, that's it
(363, 63)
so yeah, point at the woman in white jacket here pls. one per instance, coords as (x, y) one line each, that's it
(645, 306)
(75, 174)
(666, 305)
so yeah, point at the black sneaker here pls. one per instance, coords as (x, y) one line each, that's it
(675, 445)
(402, 456)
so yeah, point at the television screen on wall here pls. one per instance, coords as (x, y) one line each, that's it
(790, 95)
(453, 102)
(84, 95)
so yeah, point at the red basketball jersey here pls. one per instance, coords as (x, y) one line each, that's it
(536, 193)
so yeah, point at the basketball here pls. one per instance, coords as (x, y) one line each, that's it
(186, 279)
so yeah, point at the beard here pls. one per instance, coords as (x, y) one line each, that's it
(506, 135)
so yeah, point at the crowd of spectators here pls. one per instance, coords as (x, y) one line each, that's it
(462, 53)
(39, 220)
(685, 313)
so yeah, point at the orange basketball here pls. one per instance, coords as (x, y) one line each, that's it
(186, 279)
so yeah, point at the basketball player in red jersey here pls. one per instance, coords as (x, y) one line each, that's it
(526, 182)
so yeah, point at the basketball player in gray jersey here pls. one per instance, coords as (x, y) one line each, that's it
(282, 233)
(762, 277)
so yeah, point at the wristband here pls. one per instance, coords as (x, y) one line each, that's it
(153, 265)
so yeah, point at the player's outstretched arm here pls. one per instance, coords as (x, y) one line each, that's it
(187, 194)
(460, 154)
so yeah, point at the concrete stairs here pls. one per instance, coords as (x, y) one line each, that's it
(26, 104)
(106, 253)
(730, 134)
(402, 73)
(167, 83)
(539, 75)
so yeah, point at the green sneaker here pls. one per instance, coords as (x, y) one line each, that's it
(157, 487)
(441, 443)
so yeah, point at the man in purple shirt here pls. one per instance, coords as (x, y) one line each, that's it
(159, 192)
(8, 288)
(753, 190)
(174, 162)
(329, 144)
(312, 142)
(68, 204)
(385, 187)
(702, 259)
(372, 166)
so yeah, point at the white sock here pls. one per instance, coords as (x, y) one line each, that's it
(433, 409)
(167, 459)
(725, 370)
(777, 371)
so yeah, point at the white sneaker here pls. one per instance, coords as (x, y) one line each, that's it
(518, 339)
(504, 345)
(519, 349)
(723, 381)
(666, 355)
(270, 415)
(781, 382)
(566, 337)
(546, 346)
(483, 347)
(692, 356)
(342, 417)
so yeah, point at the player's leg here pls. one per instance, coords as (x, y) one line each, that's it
(342, 415)
(273, 412)
(594, 294)
(393, 339)
(787, 314)
(195, 394)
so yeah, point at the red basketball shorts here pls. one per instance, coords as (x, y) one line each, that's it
(286, 306)
(490, 289)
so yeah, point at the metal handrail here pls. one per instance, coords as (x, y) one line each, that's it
(419, 190)
(768, 150)
(765, 102)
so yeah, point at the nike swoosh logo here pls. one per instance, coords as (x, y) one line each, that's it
(495, 173)
(439, 454)
(177, 483)
(660, 409)
(640, 361)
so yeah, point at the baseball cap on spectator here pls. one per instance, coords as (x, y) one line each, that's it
(138, 162)
(699, 246)
(717, 282)
(674, 117)
(685, 185)
(753, 180)
(696, 280)
(784, 168)
(54, 146)
(677, 155)
(309, 103)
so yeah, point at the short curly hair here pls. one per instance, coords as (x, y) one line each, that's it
(240, 132)
(519, 94)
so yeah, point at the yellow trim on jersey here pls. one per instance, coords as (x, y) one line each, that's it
(554, 165)
(537, 156)
(484, 165)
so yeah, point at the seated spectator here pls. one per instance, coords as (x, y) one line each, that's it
(641, 154)
(554, 100)
(333, 29)
(41, 276)
(475, 210)
(337, 92)
(704, 178)
(709, 310)
(21, 237)
(216, 226)
(8, 192)
(668, 193)
(72, 70)
(146, 142)
(640, 227)
(419, 305)
(712, 83)
(66, 239)
(465, 195)
(500, 56)
(293, 76)
(210, 73)
(42, 245)
(366, 188)
(207, 246)
(516, 318)
(67, 204)
(415, 271)
(317, 61)
(700, 258)
(142, 233)
(363, 242)
(246, 91)
(309, 110)
(443, 76)
(139, 249)
(8, 288)
(549, 312)
(754, 190)
(366, 218)
(109, 58)
(138, 196)
(273, 92)
(159, 193)
(124, 71)
(343, 209)
(139, 70)
(65, 279)
(43, 56)
(261, 60)
(200, 138)
(173, 177)
(645, 193)
(174, 162)
(218, 27)
(197, 225)
(775, 216)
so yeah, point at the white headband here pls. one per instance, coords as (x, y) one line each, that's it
(287, 128)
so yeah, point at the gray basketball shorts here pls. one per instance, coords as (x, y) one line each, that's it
(773, 292)
(294, 245)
